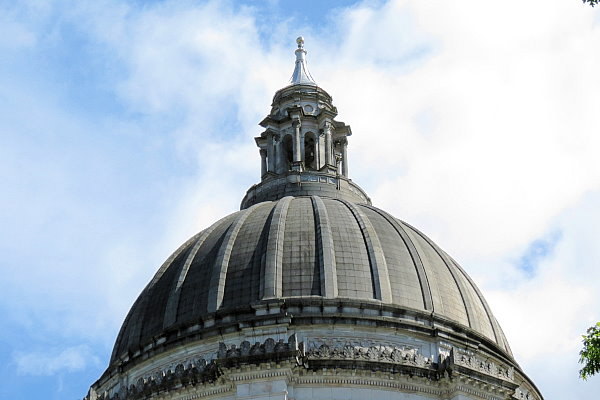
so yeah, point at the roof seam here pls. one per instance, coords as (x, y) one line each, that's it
(326, 250)
(379, 272)
(498, 334)
(173, 299)
(273, 279)
(459, 284)
(414, 254)
(144, 298)
(219, 272)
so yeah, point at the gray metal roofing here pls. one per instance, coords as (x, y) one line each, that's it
(305, 246)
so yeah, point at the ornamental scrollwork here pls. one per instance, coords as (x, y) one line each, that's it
(193, 373)
(374, 352)
(202, 371)
(525, 393)
(485, 366)
(268, 348)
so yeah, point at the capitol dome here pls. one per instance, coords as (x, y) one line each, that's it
(310, 292)
(332, 251)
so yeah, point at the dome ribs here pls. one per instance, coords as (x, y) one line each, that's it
(134, 322)
(483, 317)
(300, 268)
(193, 299)
(122, 343)
(462, 288)
(437, 279)
(303, 247)
(414, 254)
(325, 249)
(354, 277)
(173, 300)
(273, 278)
(379, 272)
(219, 272)
(498, 334)
(245, 269)
(361, 293)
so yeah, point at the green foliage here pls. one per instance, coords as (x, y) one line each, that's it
(590, 355)
(591, 2)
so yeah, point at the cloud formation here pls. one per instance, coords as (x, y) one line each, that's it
(48, 363)
(130, 128)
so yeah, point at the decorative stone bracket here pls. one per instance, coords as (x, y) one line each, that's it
(270, 350)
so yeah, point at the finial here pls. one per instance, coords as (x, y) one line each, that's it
(301, 76)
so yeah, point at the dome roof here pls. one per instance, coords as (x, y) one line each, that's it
(301, 249)
(309, 288)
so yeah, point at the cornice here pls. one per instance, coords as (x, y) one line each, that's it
(310, 312)
(330, 362)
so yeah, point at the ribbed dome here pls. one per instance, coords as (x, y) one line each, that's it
(310, 292)
(298, 248)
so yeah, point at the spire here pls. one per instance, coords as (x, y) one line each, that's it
(301, 76)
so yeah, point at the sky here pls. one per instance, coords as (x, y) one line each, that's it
(127, 126)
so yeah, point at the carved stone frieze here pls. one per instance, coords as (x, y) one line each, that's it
(366, 351)
(203, 371)
(211, 375)
(198, 359)
(523, 393)
(197, 372)
(485, 366)
(258, 352)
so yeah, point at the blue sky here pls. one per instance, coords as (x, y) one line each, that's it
(126, 127)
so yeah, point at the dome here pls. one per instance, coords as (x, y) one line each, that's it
(310, 292)
(318, 249)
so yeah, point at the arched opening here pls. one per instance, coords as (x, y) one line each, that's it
(310, 151)
(287, 153)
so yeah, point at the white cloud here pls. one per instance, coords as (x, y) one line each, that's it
(512, 119)
(51, 362)
(488, 142)
(545, 317)
(474, 121)
(510, 143)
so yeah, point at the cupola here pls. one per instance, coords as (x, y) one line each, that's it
(303, 147)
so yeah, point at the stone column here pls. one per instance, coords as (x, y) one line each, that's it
(328, 147)
(297, 148)
(263, 162)
(345, 158)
